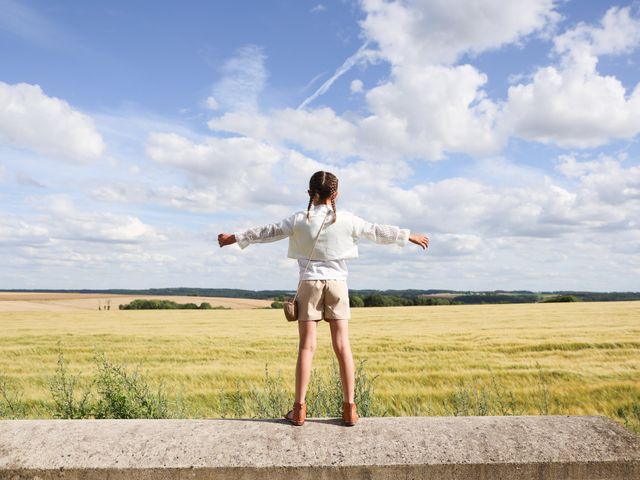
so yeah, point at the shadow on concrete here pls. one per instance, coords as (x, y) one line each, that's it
(326, 421)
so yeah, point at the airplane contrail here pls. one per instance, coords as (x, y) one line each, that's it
(344, 68)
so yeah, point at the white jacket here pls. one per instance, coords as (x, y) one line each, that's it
(337, 240)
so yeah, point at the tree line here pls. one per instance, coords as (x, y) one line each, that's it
(144, 304)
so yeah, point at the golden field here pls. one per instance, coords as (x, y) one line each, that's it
(589, 353)
(64, 302)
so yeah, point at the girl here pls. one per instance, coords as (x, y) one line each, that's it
(322, 290)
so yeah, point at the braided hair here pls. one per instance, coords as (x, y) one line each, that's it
(324, 185)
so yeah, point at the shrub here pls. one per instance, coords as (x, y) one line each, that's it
(66, 403)
(277, 305)
(324, 397)
(119, 394)
(127, 395)
(11, 405)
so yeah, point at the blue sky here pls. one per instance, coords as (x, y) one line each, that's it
(132, 133)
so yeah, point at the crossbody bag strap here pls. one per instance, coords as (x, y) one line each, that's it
(310, 254)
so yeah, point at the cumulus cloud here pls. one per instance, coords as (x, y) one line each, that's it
(16, 230)
(224, 159)
(425, 111)
(320, 130)
(420, 113)
(487, 222)
(428, 106)
(618, 33)
(419, 32)
(605, 183)
(48, 125)
(573, 105)
(65, 221)
(431, 106)
(227, 171)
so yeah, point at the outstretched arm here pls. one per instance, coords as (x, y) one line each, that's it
(387, 234)
(267, 233)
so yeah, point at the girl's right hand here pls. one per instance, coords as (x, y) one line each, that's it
(419, 239)
(226, 239)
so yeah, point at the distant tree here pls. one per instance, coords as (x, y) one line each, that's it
(356, 301)
(560, 299)
(375, 300)
(277, 305)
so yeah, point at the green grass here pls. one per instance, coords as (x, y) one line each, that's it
(574, 358)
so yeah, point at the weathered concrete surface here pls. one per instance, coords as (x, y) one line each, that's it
(491, 448)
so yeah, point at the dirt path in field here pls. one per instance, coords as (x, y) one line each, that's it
(61, 302)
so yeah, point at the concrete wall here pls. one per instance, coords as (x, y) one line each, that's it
(491, 448)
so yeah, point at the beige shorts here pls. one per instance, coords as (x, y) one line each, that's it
(323, 299)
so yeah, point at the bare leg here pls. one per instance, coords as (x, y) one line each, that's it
(342, 349)
(306, 348)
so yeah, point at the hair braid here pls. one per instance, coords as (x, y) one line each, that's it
(334, 188)
(311, 195)
(324, 185)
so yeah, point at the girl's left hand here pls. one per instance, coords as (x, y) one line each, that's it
(226, 239)
(419, 239)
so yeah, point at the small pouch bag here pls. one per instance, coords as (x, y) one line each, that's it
(290, 305)
(291, 309)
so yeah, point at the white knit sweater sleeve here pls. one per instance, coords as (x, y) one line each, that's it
(266, 233)
(377, 233)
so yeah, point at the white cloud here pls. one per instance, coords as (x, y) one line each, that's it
(573, 105)
(227, 172)
(429, 106)
(356, 86)
(318, 8)
(249, 124)
(420, 113)
(48, 125)
(419, 32)
(243, 78)
(425, 111)
(212, 103)
(219, 158)
(16, 230)
(320, 130)
(66, 222)
(605, 183)
(619, 33)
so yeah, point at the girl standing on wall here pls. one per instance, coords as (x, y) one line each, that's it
(322, 291)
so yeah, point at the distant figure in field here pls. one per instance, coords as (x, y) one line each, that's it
(321, 241)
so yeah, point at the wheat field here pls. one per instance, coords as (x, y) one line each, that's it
(589, 353)
(65, 302)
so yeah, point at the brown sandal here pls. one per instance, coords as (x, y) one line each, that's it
(349, 414)
(298, 414)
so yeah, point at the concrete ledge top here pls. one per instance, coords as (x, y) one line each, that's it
(214, 444)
